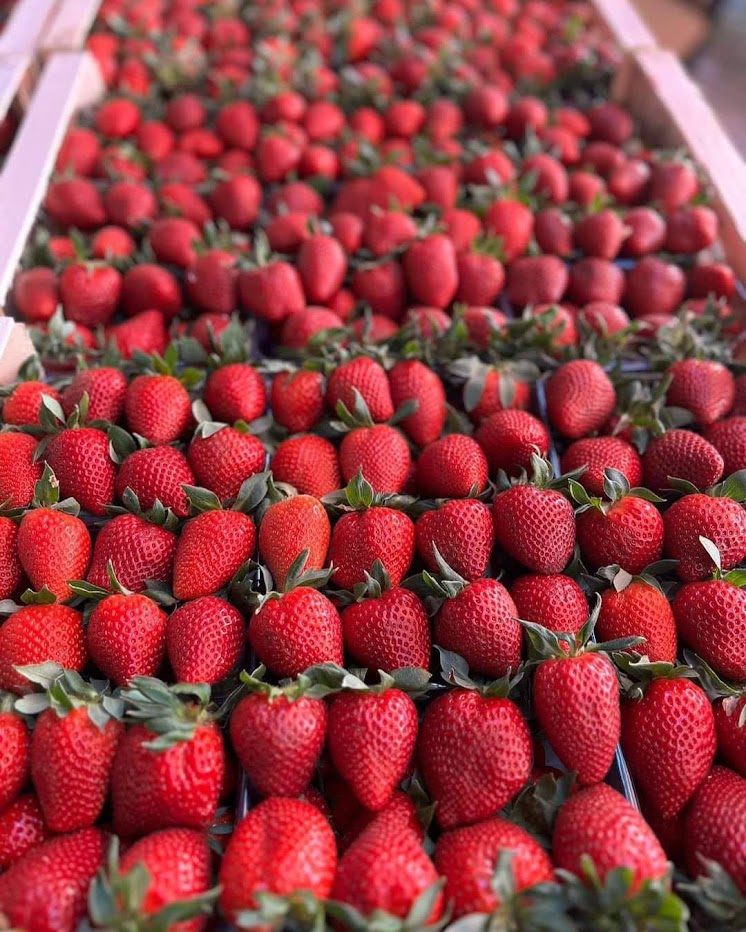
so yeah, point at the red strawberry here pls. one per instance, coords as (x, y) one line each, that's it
(145, 332)
(36, 294)
(36, 634)
(278, 734)
(596, 455)
(283, 846)
(308, 463)
(601, 234)
(82, 464)
(708, 278)
(75, 202)
(553, 230)
(412, 380)
(21, 829)
(721, 520)
(292, 526)
(150, 287)
(580, 398)
(235, 392)
(633, 607)
(480, 278)
(223, 457)
(709, 617)
(272, 291)
(156, 474)
(556, 602)
(322, 265)
(11, 571)
(716, 826)
(211, 282)
(647, 232)
(24, 404)
(463, 533)
(158, 408)
(549, 177)
(691, 229)
(704, 387)
(297, 399)
(453, 467)
(14, 751)
(385, 230)
(138, 550)
(205, 640)
(236, 201)
(654, 287)
(463, 227)
(681, 454)
(173, 241)
(381, 453)
(729, 439)
(90, 292)
(47, 890)
(431, 271)
(105, 388)
(383, 287)
(594, 279)
(300, 328)
(536, 280)
(169, 766)
(510, 438)
(363, 377)
(513, 223)
(129, 204)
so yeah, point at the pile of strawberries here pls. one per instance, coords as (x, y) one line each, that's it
(372, 537)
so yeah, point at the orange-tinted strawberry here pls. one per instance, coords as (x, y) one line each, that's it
(681, 454)
(223, 457)
(23, 405)
(297, 399)
(156, 474)
(289, 527)
(308, 463)
(381, 452)
(596, 455)
(580, 398)
(554, 601)
(36, 634)
(634, 607)
(702, 386)
(205, 640)
(21, 829)
(235, 392)
(716, 825)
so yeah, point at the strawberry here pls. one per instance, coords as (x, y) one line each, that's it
(371, 735)
(722, 521)
(36, 294)
(11, 571)
(381, 453)
(145, 332)
(600, 823)
(557, 602)
(47, 890)
(488, 390)
(431, 271)
(580, 398)
(169, 764)
(553, 230)
(668, 735)
(595, 279)
(411, 380)
(708, 278)
(15, 745)
(597, 454)
(627, 529)
(691, 229)
(156, 474)
(272, 291)
(138, 549)
(205, 640)
(75, 202)
(513, 223)
(463, 227)
(36, 634)
(548, 177)
(536, 280)
(105, 388)
(283, 846)
(603, 318)
(72, 746)
(729, 439)
(148, 287)
(237, 124)
(211, 282)
(173, 240)
(654, 286)
(474, 754)
(322, 265)
(462, 532)
(278, 734)
(716, 826)
(300, 328)
(289, 527)
(468, 857)
(235, 392)
(382, 286)
(21, 829)
(510, 438)
(636, 607)
(709, 618)
(213, 546)
(647, 232)
(236, 201)
(223, 457)
(90, 292)
(453, 467)
(600, 234)
(158, 408)
(704, 387)
(309, 464)
(364, 378)
(534, 523)
(681, 454)
(129, 204)
(480, 278)
(385, 230)
(117, 118)
(24, 404)
(369, 531)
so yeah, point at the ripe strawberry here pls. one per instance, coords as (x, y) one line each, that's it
(716, 825)
(369, 532)
(654, 287)
(704, 387)
(299, 328)
(36, 294)
(691, 229)
(148, 287)
(75, 202)
(82, 464)
(534, 523)
(169, 766)
(720, 520)
(90, 292)
(633, 607)
(211, 282)
(105, 388)
(463, 533)
(11, 571)
(411, 380)
(156, 474)
(580, 398)
(510, 438)
(130, 204)
(139, 551)
(387, 229)
(205, 640)
(603, 318)
(594, 279)
(283, 846)
(290, 527)
(36, 634)
(72, 747)
(596, 455)
(709, 617)
(297, 399)
(536, 280)
(599, 822)
(145, 332)
(729, 439)
(708, 278)
(681, 454)
(467, 858)
(235, 392)
(223, 457)
(381, 453)
(236, 201)
(158, 408)
(488, 390)
(549, 177)
(23, 405)
(272, 292)
(431, 271)
(647, 232)
(112, 242)
(21, 829)
(371, 735)
(322, 265)
(278, 734)
(47, 890)
(601, 234)
(463, 227)
(363, 377)
(212, 548)
(556, 602)
(627, 529)
(173, 241)
(14, 751)
(553, 230)
(474, 754)
(513, 223)
(453, 467)
(308, 463)
(383, 287)
(481, 277)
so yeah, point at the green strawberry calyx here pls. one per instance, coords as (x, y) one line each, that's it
(330, 678)
(64, 691)
(542, 476)
(116, 900)
(158, 515)
(381, 921)
(731, 694)
(289, 689)
(158, 592)
(359, 496)
(47, 494)
(637, 672)
(375, 583)
(732, 487)
(536, 806)
(551, 645)
(172, 713)
(617, 578)
(716, 894)
(616, 488)
(454, 671)
(736, 577)
(446, 584)
(300, 909)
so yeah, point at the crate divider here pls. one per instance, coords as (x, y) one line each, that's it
(70, 25)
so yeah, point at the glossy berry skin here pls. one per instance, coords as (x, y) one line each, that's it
(702, 386)
(580, 398)
(157, 473)
(158, 408)
(389, 632)
(205, 640)
(46, 891)
(283, 845)
(71, 762)
(381, 452)
(463, 532)
(467, 858)
(308, 463)
(24, 403)
(716, 825)
(453, 467)
(729, 439)
(235, 392)
(630, 533)
(668, 738)
(288, 528)
(681, 454)
(371, 740)
(639, 610)
(731, 736)
(10, 565)
(212, 548)
(366, 376)
(222, 461)
(710, 620)
(127, 637)
(278, 741)
(105, 388)
(176, 787)
(597, 454)
(510, 438)
(21, 829)
(535, 527)
(53, 547)
(15, 744)
(139, 552)
(35, 634)
(555, 601)
(480, 625)
(360, 538)
(412, 380)
(600, 822)
(474, 754)
(81, 462)
(721, 520)
(18, 470)
(295, 631)
(297, 400)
